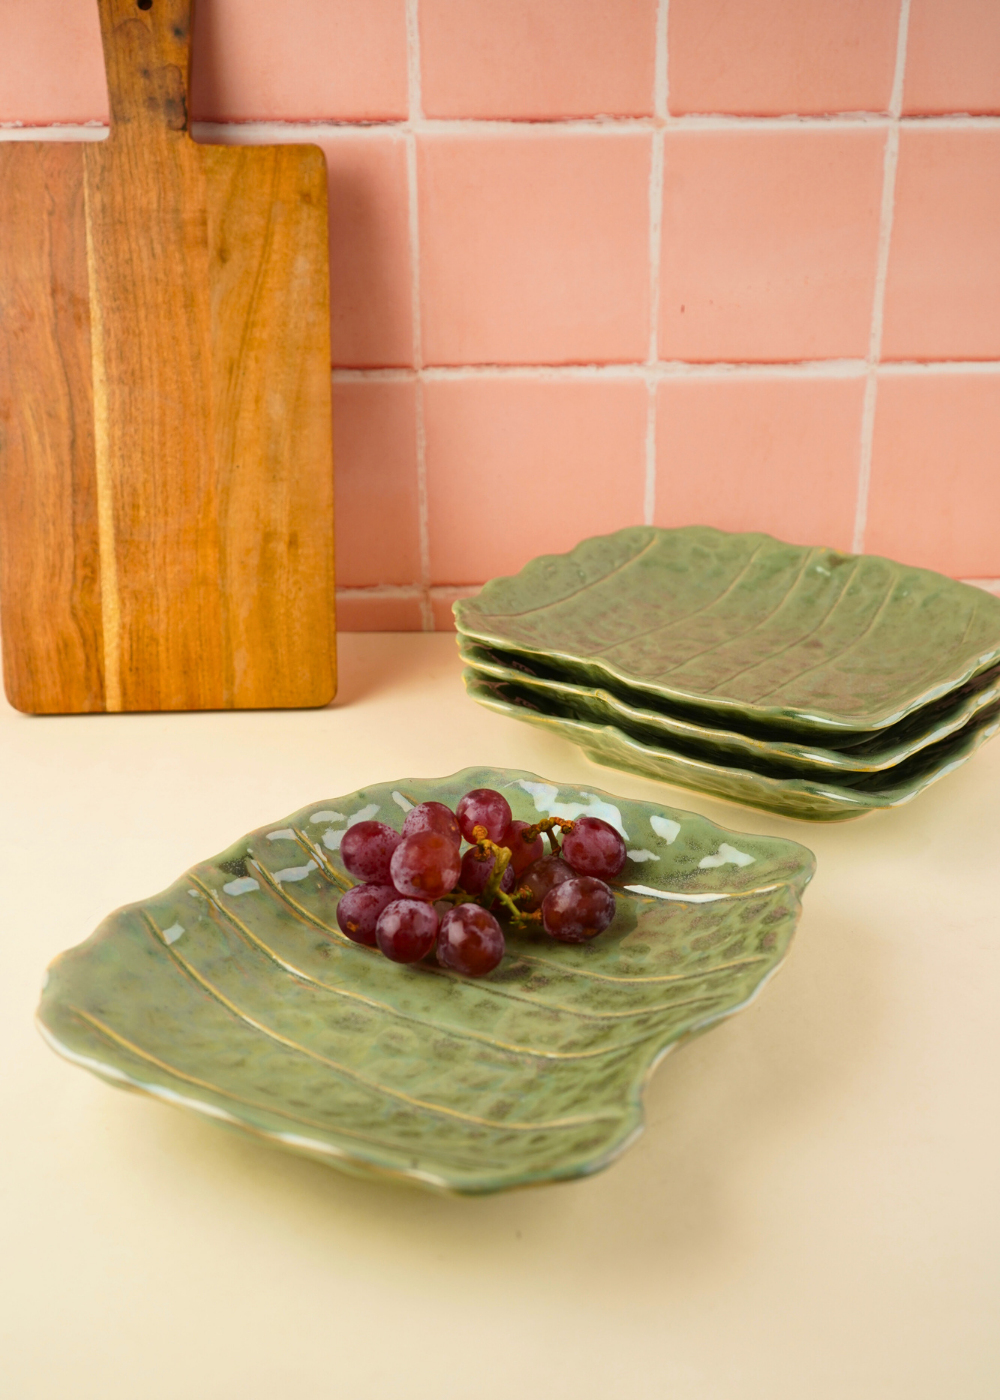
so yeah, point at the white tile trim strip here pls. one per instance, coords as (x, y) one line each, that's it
(888, 205)
(671, 369)
(416, 311)
(263, 131)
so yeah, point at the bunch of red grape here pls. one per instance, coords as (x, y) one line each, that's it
(420, 892)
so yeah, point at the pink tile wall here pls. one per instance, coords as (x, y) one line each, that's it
(769, 57)
(953, 57)
(779, 451)
(600, 262)
(534, 246)
(519, 466)
(768, 243)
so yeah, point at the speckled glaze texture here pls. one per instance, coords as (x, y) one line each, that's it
(883, 750)
(766, 785)
(743, 628)
(234, 994)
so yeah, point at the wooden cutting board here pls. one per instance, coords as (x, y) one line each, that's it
(166, 477)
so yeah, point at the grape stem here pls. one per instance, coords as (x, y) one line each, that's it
(519, 917)
(484, 849)
(548, 825)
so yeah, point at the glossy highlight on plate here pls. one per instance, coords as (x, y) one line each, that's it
(234, 994)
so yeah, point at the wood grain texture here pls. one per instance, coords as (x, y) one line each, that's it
(50, 583)
(183, 486)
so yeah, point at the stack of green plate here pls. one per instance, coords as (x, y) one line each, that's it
(817, 684)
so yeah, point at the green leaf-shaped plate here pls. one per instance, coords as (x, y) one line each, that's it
(885, 750)
(234, 994)
(762, 785)
(743, 627)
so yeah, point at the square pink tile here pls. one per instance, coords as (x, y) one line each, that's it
(769, 243)
(942, 296)
(760, 453)
(953, 57)
(299, 60)
(935, 485)
(534, 247)
(371, 297)
(51, 63)
(375, 472)
(537, 58)
(520, 466)
(377, 612)
(769, 57)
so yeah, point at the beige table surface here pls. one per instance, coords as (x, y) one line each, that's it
(812, 1212)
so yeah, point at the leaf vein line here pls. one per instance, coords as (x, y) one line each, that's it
(591, 583)
(844, 651)
(117, 1038)
(789, 646)
(667, 626)
(373, 1086)
(459, 1033)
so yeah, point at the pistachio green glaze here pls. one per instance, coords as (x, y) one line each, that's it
(234, 994)
(884, 750)
(766, 786)
(743, 628)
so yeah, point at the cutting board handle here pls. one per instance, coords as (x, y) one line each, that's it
(147, 54)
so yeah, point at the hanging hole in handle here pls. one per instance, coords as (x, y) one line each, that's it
(144, 4)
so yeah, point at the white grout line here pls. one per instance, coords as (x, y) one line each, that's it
(642, 370)
(889, 165)
(253, 132)
(57, 131)
(669, 369)
(661, 82)
(660, 108)
(899, 73)
(376, 375)
(380, 590)
(903, 367)
(407, 590)
(456, 590)
(286, 133)
(415, 121)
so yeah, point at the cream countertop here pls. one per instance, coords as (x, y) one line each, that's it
(812, 1211)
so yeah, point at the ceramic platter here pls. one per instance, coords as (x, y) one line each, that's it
(741, 629)
(818, 799)
(885, 749)
(233, 994)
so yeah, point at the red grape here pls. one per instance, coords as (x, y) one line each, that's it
(541, 877)
(470, 940)
(425, 866)
(578, 909)
(476, 873)
(483, 807)
(406, 930)
(522, 853)
(594, 847)
(359, 908)
(367, 849)
(433, 816)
